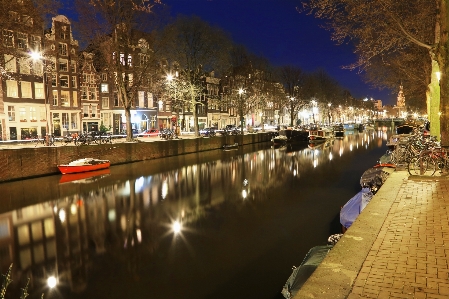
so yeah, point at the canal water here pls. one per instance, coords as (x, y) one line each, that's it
(218, 224)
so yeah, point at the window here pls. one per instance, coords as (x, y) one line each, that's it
(74, 120)
(22, 114)
(75, 99)
(73, 66)
(11, 89)
(65, 99)
(63, 35)
(64, 81)
(33, 114)
(85, 110)
(39, 90)
(10, 63)
(84, 93)
(42, 114)
(89, 78)
(94, 110)
(24, 66)
(53, 81)
(104, 77)
(105, 102)
(73, 81)
(116, 100)
(130, 79)
(122, 58)
(150, 99)
(92, 94)
(62, 48)
(35, 43)
(130, 60)
(104, 87)
(8, 38)
(11, 113)
(106, 119)
(141, 95)
(167, 107)
(63, 65)
(161, 106)
(65, 120)
(22, 41)
(25, 89)
(55, 98)
(143, 59)
(37, 67)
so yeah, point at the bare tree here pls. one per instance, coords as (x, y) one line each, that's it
(197, 48)
(117, 31)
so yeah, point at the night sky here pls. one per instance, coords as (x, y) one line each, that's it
(275, 30)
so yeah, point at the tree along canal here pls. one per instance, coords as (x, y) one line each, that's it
(245, 217)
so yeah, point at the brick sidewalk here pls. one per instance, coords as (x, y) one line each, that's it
(410, 257)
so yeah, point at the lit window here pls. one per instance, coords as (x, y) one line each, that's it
(104, 87)
(65, 99)
(11, 89)
(10, 63)
(39, 90)
(11, 113)
(64, 81)
(25, 89)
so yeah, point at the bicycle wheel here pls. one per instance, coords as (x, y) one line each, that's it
(423, 165)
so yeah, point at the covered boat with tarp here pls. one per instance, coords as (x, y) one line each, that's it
(300, 274)
(376, 176)
(352, 209)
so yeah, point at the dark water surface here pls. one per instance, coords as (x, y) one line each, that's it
(247, 216)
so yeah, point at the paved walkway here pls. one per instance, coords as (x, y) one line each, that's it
(397, 248)
(410, 257)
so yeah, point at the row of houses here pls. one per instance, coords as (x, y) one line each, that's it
(63, 93)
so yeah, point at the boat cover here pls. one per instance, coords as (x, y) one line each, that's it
(300, 274)
(354, 207)
(375, 176)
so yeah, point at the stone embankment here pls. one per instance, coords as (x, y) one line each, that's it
(27, 161)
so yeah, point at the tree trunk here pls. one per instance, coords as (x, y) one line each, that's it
(434, 101)
(444, 69)
(129, 129)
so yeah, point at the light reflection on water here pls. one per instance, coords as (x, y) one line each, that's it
(140, 228)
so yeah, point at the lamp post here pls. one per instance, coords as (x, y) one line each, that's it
(241, 91)
(36, 56)
(329, 112)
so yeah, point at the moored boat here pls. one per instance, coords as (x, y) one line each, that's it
(291, 136)
(339, 130)
(84, 165)
(320, 135)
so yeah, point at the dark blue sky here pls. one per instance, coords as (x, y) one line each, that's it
(275, 30)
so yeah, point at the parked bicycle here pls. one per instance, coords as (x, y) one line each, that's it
(168, 134)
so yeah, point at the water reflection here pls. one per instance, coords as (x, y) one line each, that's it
(136, 214)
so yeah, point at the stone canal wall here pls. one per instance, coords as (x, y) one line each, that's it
(29, 161)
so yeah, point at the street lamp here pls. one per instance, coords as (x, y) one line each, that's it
(329, 112)
(36, 56)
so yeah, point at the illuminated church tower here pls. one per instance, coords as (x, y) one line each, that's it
(400, 101)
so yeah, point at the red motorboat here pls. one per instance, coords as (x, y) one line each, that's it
(84, 165)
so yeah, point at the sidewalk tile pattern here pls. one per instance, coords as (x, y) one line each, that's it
(410, 258)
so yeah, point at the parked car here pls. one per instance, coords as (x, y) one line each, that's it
(207, 132)
(149, 133)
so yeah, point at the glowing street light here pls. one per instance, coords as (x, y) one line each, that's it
(51, 282)
(36, 56)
